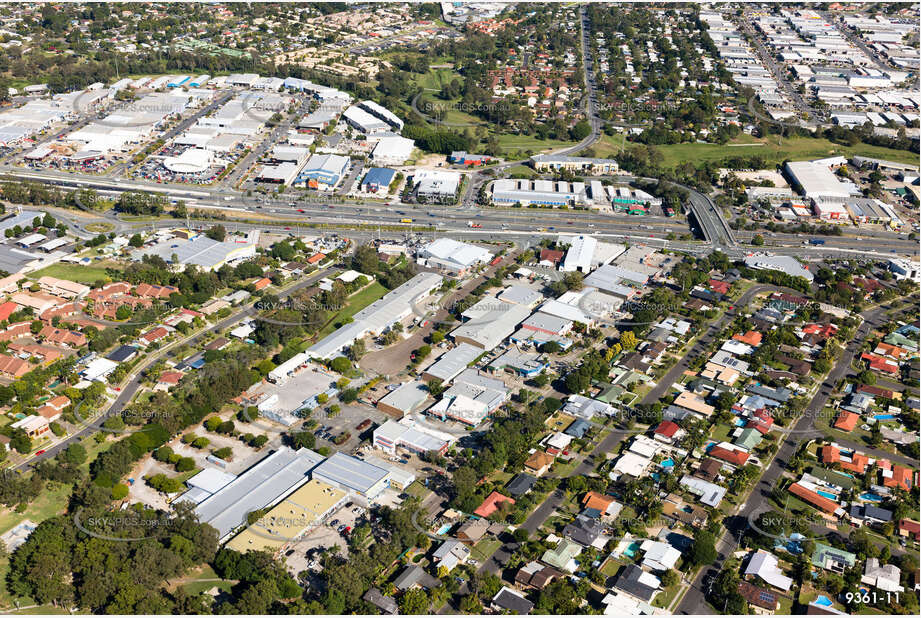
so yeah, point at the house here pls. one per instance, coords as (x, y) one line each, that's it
(53, 408)
(378, 599)
(910, 528)
(123, 354)
(708, 469)
(883, 576)
(694, 403)
(450, 554)
(829, 507)
(34, 426)
(637, 583)
(751, 338)
(510, 600)
(578, 428)
(586, 531)
(869, 514)
(763, 565)
(521, 484)
(536, 575)
(563, 556)
(668, 432)
(153, 335)
(659, 556)
(473, 530)
(168, 379)
(13, 367)
(760, 600)
(832, 558)
(674, 507)
(606, 505)
(146, 290)
(900, 478)
(846, 421)
(539, 463)
(59, 336)
(733, 456)
(491, 504)
(412, 577)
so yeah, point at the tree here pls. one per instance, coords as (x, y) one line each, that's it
(703, 550)
(758, 240)
(340, 364)
(136, 241)
(74, 455)
(415, 601)
(217, 232)
(365, 260)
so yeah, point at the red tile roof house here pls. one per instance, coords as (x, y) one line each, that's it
(901, 478)
(145, 290)
(108, 291)
(183, 315)
(53, 409)
(830, 509)
(168, 379)
(60, 336)
(734, 457)
(262, 284)
(878, 363)
(153, 335)
(910, 528)
(667, 432)
(761, 420)
(847, 421)
(15, 331)
(491, 504)
(719, 286)
(7, 309)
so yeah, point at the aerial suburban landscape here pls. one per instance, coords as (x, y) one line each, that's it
(460, 308)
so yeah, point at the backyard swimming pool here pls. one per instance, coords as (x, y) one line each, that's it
(823, 600)
(827, 494)
(870, 497)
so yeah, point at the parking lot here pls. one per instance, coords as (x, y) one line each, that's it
(348, 419)
(301, 555)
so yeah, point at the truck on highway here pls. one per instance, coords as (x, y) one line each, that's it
(472, 224)
(406, 220)
(816, 241)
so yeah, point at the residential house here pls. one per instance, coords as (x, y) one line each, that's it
(832, 558)
(885, 577)
(510, 600)
(539, 463)
(764, 565)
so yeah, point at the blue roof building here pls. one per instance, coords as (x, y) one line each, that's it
(378, 179)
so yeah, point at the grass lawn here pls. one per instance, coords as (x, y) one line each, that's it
(356, 303)
(665, 597)
(100, 228)
(786, 605)
(73, 272)
(609, 146)
(527, 142)
(485, 548)
(721, 432)
(522, 170)
(773, 151)
(610, 567)
(49, 503)
(41, 609)
(417, 489)
(206, 581)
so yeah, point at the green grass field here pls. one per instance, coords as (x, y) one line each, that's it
(73, 272)
(528, 142)
(356, 303)
(772, 150)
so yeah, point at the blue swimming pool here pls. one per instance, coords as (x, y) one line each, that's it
(870, 497)
(668, 463)
(631, 549)
(884, 417)
(823, 600)
(444, 529)
(740, 422)
(827, 494)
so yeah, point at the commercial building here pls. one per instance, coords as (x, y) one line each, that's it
(538, 192)
(293, 517)
(202, 251)
(406, 398)
(471, 398)
(378, 180)
(453, 256)
(452, 363)
(490, 322)
(392, 150)
(818, 183)
(783, 263)
(350, 474)
(263, 485)
(376, 318)
(580, 165)
(436, 185)
(323, 171)
(382, 113)
(364, 121)
(394, 436)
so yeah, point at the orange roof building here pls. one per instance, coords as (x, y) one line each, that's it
(847, 421)
(752, 338)
(901, 478)
(594, 500)
(491, 504)
(820, 502)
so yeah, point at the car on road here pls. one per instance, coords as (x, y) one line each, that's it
(334, 522)
(41, 452)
